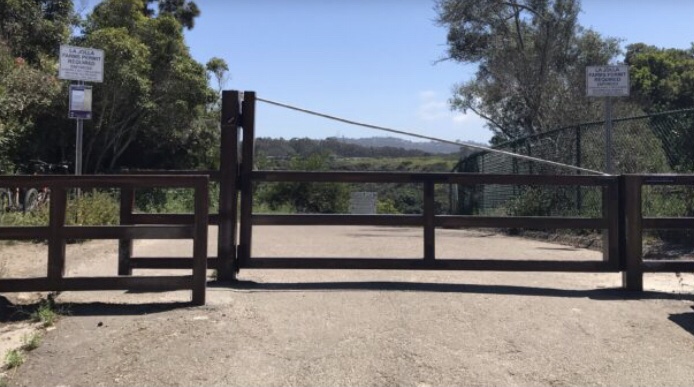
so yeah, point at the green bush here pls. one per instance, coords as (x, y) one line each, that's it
(386, 206)
(93, 209)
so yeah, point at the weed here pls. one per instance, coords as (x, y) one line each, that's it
(45, 314)
(13, 359)
(31, 342)
(3, 381)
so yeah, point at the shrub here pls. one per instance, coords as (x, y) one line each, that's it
(13, 358)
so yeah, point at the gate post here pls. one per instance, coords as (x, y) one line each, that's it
(125, 245)
(611, 212)
(246, 184)
(56, 242)
(228, 172)
(429, 215)
(632, 277)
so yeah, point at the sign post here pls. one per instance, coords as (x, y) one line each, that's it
(607, 81)
(80, 64)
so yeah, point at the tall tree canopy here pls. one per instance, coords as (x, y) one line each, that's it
(531, 56)
(153, 91)
(182, 10)
(33, 29)
(662, 79)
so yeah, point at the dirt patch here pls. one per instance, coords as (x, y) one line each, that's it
(330, 327)
(585, 241)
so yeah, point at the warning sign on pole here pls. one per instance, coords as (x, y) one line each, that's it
(80, 102)
(607, 81)
(81, 64)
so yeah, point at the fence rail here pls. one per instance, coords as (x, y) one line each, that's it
(57, 233)
(429, 221)
(635, 223)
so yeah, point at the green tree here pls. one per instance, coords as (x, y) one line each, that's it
(662, 79)
(148, 110)
(531, 56)
(25, 92)
(322, 198)
(182, 10)
(33, 29)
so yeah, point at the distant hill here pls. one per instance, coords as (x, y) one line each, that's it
(351, 147)
(433, 147)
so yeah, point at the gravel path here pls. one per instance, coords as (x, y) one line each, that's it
(385, 328)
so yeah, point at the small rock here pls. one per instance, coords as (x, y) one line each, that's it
(100, 324)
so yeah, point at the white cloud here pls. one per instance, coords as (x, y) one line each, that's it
(433, 108)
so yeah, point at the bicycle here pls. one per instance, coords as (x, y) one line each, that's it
(36, 198)
(9, 199)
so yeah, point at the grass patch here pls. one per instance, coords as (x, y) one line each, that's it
(3, 381)
(31, 342)
(13, 358)
(45, 314)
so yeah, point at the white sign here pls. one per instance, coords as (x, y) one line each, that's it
(80, 102)
(362, 203)
(81, 64)
(607, 81)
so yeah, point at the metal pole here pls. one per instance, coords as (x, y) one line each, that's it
(78, 143)
(608, 136)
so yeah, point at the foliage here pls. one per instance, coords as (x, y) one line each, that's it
(304, 147)
(33, 29)
(183, 11)
(173, 200)
(94, 208)
(13, 358)
(661, 80)
(307, 197)
(386, 206)
(154, 94)
(542, 201)
(31, 342)
(25, 91)
(45, 314)
(531, 55)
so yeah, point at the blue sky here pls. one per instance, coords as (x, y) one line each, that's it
(375, 61)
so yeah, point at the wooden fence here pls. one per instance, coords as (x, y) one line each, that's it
(56, 233)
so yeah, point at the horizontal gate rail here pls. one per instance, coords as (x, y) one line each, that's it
(635, 223)
(429, 221)
(437, 178)
(420, 264)
(166, 227)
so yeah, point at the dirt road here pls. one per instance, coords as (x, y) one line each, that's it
(371, 327)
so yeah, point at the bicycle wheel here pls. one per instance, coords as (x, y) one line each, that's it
(31, 199)
(5, 201)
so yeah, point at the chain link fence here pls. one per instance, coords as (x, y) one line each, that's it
(657, 143)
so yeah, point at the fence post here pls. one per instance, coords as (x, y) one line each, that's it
(56, 242)
(579, 196)
(200, 242)
(612, 215)
(246, 227)
(632, 276)
(429, 214)
(125, 245)
(228, 190)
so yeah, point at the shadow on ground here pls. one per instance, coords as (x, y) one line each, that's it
(684, 320)
(10, 312)
(596, 294)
